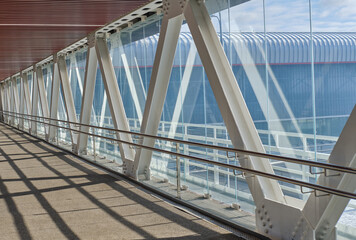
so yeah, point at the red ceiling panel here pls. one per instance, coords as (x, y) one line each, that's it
(31, 30)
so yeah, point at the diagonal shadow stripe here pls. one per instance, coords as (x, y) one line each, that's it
(20, 224)
(61, 224)
(199, 229)
(63, 227)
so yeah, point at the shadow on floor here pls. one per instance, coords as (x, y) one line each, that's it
(33, 170)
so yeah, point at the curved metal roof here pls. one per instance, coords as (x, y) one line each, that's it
(282, 48)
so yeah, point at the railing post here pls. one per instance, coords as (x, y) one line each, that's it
(58, 132)
(94, 143)
(178, 171)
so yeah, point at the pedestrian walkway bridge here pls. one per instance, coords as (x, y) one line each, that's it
(162, 124)
(47, 193)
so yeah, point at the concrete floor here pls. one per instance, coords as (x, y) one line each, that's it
(49, 194)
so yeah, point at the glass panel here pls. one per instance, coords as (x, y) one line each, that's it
(290, 84)
(29, 77)
(334, 43)
(18, 81)
(63, 134)
(132, 51)
(133, 55)
(240, 27)
(47, 76)
(294, 67)
(191, 113)
(76, 71)
(107, 151)
(40, 126)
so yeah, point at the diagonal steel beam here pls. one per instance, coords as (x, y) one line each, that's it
(114, 98)
(231, 103)
(157, 91)
(15, 96)
(88, 94)
(68, 97)
(324, 212)
(26, 89)
(42, 95)
(8, 100)
(35, 112)
(22, 103)
(12, 100)
(54, 100)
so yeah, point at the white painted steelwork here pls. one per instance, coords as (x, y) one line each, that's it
(277, 215)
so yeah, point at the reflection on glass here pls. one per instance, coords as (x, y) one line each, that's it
(334, 42)
(294, 67)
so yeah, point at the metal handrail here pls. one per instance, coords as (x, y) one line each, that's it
(221, 148)
(315, 187)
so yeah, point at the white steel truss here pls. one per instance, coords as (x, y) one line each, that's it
(68, 97)
(88, 94)
(114, 99)
(12, 100)
(8, 100)
(54, 100)
(22, 103)
(34, 109)
(26, 93)
(324, 212)
(157, 90)
(277, 215)
(42, 95)
(15, 96)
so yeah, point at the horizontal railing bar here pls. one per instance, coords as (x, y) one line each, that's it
(221, 148)
(316, 187)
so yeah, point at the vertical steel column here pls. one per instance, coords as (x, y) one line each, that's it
(88, 94)
(54, 100)
(114, 98)
(34, 113)
(157, 91)
(68, 98)
(42, 95)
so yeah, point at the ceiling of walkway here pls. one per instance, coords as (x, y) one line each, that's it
(31, 30)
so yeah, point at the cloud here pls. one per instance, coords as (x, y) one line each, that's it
(334, 16)
(288, 16)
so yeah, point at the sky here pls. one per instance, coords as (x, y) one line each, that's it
(288, 16)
